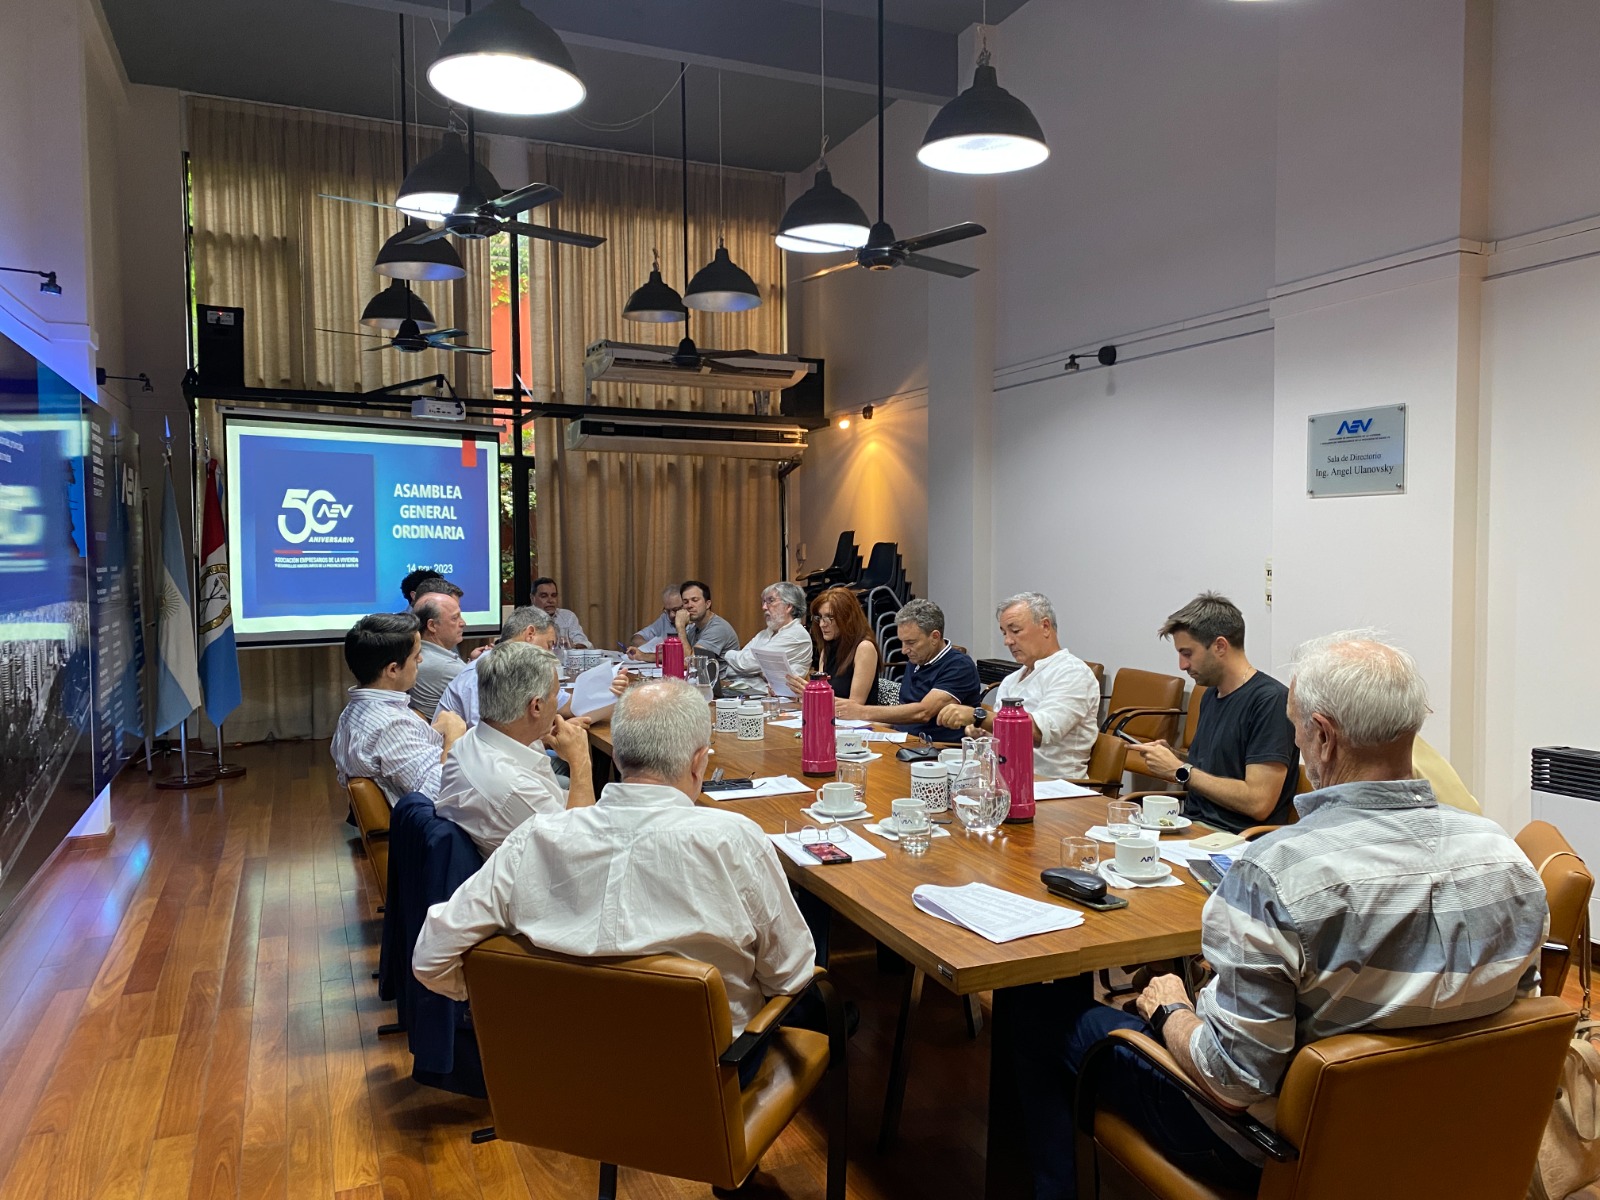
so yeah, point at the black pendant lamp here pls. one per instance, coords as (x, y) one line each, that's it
(432, 188)
(655, 302)
(505, 60)
(822, 219)
(721, 285)
(985, 130)
(396, 304)
(435, 260)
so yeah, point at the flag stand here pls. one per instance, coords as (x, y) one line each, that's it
(225, 770)
(183, 781)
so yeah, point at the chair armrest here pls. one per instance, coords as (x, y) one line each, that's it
(1269, 1140)
(1159, 795)
(1256, 831)
(766, 1022)
(1118, 718)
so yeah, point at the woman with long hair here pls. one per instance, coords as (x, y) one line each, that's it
(845, 650)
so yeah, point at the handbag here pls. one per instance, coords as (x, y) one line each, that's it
(1569, 1154)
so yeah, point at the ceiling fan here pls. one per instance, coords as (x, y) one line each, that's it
(478, 216)
(409, 339)
(883, 251)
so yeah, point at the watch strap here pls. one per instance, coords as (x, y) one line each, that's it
(1159, 1018)
(979, 714)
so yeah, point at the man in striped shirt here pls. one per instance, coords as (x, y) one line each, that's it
(1380, 909)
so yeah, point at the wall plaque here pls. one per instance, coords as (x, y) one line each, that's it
(1361, 452)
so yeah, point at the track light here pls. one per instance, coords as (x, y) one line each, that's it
(49, 287)
(866, 413)
(505, 60)
(1106, 356)
(101, 375)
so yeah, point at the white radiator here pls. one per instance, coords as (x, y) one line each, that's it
(1566, 793)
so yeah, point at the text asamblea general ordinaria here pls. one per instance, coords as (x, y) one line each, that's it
(437, 512)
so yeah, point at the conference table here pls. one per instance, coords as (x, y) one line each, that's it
(875, 895)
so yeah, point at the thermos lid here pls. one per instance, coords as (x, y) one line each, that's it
(1011, 702)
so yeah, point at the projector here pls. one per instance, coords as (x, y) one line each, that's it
(431, 409)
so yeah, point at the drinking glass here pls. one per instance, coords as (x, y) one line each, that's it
(854, 773)
(914, 830)
(1122, 818)
(1080, 852)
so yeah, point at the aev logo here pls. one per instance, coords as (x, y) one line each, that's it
(1354, 426)
(314, 506)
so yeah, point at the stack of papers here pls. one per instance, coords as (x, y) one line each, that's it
(1060, 789)
(591, 691)
(874, 735)
(771, 785)
(775, 669)
(858, 848)
(838, 723)
(998, 915)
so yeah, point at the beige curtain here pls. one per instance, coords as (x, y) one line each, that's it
(265, 241)
(615, 528)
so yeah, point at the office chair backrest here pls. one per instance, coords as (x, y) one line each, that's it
(1133, 688)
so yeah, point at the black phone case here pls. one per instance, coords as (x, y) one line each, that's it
(1080, 887)
(918, 753)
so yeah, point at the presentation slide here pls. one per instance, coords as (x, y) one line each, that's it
(326, 517)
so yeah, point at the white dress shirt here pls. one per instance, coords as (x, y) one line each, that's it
(492, 783)
(791, 640)
(567, 622)
(644, 871)
(1063, 699)
(380, 738)
(461, 697)
(439, 666)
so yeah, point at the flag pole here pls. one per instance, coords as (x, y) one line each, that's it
(225, 770)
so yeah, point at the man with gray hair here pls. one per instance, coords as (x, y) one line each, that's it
(530, 624)
(666, 623)
(938, 675)
(1058, 691)
(439, 617)
(1379, 910)
(498, 774)
(782, 604)
(644, 871)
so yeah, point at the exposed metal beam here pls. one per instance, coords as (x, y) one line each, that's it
(775, 38)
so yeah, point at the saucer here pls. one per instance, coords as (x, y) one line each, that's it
(1178, 823)
(843, 814)
(1161, 872)
(865, 756)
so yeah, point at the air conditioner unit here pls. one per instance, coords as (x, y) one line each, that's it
(653, 433)
(1566, 793)
(721, 370)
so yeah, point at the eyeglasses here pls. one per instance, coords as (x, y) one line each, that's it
(825, 618)
(811, 835)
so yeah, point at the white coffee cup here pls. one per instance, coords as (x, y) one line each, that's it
(1138, 857)
(951, 756)
(930, 785)
(1158, 807)
(728, 714)
(911, 808)
(850, 742)
(837, 798)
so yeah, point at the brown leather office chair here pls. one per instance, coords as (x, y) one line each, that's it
(371, 809)
(1145, 705)
(1567, 885)
(1099, 670)
(1191, 722)
(632, 1061)
(1364, 1114)
(1107, 761)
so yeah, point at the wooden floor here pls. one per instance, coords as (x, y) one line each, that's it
(190, 1011)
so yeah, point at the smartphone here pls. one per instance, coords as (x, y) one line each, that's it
(827, 853)
(1205, 873)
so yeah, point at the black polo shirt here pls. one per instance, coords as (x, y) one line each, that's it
(950, 671)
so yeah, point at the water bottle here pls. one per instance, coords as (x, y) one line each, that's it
(671, 656)
(817, 754)
(1013, 735)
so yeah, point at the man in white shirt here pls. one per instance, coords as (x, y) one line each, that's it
(378, 736)
(498, 774)
(643, 871)
(1058, 691)
(782, 604)
(548, 597)
(671, 603)
(530, 624)
(442, 626)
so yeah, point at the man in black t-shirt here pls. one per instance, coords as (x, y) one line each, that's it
(1243, 766)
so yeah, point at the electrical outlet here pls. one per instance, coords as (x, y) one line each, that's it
(1269, 583)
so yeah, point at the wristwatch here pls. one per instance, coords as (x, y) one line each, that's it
(1181, 775)
(1158, 1019)
(979, 715)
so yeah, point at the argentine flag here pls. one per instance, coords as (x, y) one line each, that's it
(178, 680)
(219, 656)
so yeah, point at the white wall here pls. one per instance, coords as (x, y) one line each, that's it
(1103, 507)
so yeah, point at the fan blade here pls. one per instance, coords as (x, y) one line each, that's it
(438, 335)
(464, 349)
(374, 349)
(943, 237)
(938, 266)
(813, 242)
(431, 235)
(351, 200)
(349, 333)
(828, 271)
(721, 354)
(520, 200)
(548, 233)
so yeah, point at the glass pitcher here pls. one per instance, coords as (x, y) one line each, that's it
(703, 674)
(979, 797)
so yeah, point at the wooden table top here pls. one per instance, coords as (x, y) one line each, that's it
(876, 895)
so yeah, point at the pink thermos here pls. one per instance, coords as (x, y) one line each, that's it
(671, 656)
(1013, 736)
(816, 728)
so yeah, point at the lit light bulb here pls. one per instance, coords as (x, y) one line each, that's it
(844, 422)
